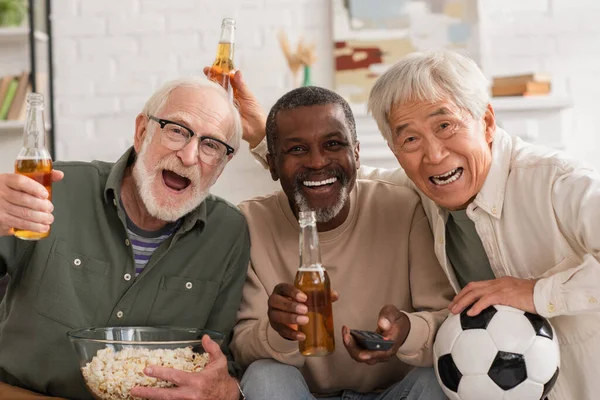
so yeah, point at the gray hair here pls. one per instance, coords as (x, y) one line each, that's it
(429, 76)
(306, 96)
(157, 101)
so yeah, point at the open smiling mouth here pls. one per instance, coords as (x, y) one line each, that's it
(447, 178)
(319, 184)
(175, 181)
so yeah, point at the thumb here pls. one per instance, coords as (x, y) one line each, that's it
(240, 84)
(334, 296)
(212, 348)
(387, 316)
(205, 70)
(57, 175)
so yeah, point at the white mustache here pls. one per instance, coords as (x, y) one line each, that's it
(173, 163)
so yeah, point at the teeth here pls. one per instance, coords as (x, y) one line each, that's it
(441, 182)
(319, 183)
(447, 174)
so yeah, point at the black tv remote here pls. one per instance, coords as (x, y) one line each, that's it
(371, 340)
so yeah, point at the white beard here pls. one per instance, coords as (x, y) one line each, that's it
(322, 214)
(167, 209)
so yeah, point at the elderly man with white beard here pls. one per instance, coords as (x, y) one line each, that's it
(137, 242)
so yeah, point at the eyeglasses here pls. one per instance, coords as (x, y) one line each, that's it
(176, 136)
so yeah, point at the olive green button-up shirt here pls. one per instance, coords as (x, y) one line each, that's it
(83, 275)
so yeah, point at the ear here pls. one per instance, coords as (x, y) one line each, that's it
(272, 168)
(357, 154)
(141, 124)
(489, 119)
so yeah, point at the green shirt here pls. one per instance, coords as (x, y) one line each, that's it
(83, 275)
(465, 250)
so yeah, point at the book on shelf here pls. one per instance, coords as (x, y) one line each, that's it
(13, 95)
(8, 98)
(18, 104)
(521, 79)
(522, 89)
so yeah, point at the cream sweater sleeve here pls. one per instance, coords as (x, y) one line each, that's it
(253, 336)
(430, 291)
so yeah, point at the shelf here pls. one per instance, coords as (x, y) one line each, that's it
(532, 103)
(20, 34)
(12, 127)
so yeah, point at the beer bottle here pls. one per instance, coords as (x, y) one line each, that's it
(222, 69)
(312, 279)
(34, 160)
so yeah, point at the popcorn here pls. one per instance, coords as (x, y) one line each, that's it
(111, 375)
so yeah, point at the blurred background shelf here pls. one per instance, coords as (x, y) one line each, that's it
(20, 34)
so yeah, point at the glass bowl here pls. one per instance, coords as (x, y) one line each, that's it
(112, 359)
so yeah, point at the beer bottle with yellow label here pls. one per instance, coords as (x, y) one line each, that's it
(312, 279)
(222, 69)
(34, 160)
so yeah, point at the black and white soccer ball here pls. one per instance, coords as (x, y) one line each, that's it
(501, 354)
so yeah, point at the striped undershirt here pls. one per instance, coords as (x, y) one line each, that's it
(145, 242)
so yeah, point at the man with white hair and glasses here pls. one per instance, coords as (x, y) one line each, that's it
(137, 242)
(514, 223)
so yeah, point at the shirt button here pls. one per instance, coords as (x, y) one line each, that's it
(494, 211)
(126, 242)
(593, 300)
(551, 308)
(441, 240)
(77, 262)
(119, 314)
(188, 285)
(127, 277)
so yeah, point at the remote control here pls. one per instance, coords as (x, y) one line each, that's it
(371, 340)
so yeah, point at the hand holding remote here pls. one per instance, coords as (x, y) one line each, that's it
(392, 325)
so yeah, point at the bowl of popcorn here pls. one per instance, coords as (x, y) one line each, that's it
(112, 360)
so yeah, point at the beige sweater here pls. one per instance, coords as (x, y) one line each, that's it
(382, 254)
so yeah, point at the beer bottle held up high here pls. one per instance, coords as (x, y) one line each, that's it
(34, 160)
(222, 69)
(312, 279)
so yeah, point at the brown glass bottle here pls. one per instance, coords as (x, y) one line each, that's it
(222, 69)
(33, 160)
(312, 279)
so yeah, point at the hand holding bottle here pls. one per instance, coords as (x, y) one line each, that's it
(24, 204)
(254, 119)
(287, 310)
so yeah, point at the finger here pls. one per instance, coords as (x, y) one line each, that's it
(483, 303)
(334, 296)
(350, 344)
(465, 302)
(287, 290)
(178, 377)
(157, 393)
(57, 175)
(18, 223)
(240, 84)
(29, 215)
(287, 318)
(471, 286)
(286, 304)
(27, 185)
(288, 333)
(28, 201)
(388, 315)
(213, 350)
(205, 70)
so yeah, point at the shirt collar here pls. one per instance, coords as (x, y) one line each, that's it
(112, 192)
(491, 196)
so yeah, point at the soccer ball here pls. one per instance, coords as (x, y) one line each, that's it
(501, 354)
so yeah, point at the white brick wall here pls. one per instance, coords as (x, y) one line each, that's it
(111, 55)
(561, 37)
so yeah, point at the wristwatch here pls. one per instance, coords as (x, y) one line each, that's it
(242, 395)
